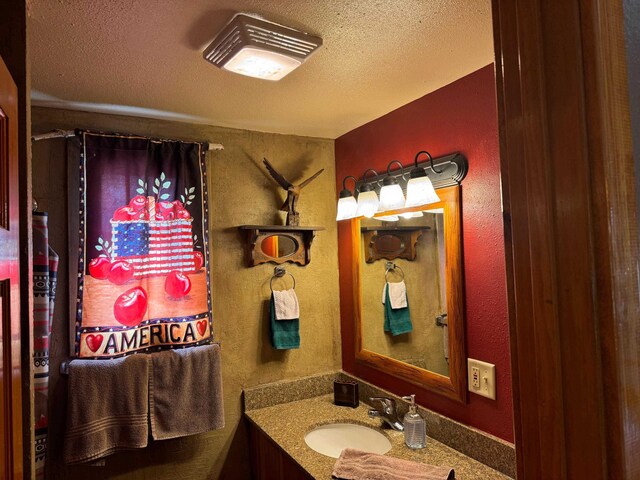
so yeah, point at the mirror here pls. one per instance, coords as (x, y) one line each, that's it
(277, 246)
(422, 343)
(423, 277)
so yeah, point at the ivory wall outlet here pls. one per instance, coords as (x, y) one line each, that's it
(482, 378)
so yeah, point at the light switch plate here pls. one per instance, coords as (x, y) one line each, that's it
(486, 384)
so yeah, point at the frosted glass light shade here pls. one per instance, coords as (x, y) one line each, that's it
(347, 208)
(420, 191)
(411, 215)
(254, 62)
(391, 198)
(367, 204)
(389, 218)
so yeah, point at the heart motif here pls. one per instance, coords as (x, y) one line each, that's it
(201, 326)
(94, 342)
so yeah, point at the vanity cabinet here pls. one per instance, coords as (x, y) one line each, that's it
(269, 461)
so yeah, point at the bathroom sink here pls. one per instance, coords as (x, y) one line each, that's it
(331, 439)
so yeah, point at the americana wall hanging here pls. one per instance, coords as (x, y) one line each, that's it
(143, 267)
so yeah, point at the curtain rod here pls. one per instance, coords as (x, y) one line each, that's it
(71, 133)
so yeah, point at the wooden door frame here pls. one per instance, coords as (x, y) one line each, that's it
(13, 50)
(571, 237)
(11, 377)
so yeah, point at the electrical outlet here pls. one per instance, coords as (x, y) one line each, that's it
(475, 378)
(482, 378)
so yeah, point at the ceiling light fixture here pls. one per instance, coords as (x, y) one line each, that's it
(258, 48)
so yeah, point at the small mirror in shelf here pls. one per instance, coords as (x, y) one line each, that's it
(278, 244)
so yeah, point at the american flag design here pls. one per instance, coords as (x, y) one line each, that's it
(154, 247)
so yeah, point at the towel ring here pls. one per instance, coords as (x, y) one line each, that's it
(392, 267)
(280, 272)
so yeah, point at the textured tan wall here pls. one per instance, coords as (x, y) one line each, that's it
(424, 345)
(240, 194)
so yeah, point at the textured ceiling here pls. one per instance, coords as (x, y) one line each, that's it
(144, 57)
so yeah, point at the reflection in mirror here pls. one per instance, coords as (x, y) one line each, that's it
(435, 296)
(277, 246)
(388, 244)
(426, 344)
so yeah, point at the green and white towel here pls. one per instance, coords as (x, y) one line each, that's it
(285, 334)
(396, 320)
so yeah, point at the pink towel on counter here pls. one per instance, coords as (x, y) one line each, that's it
(358, 465)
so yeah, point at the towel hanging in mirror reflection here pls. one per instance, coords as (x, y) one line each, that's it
(397, 318)
(397, 290)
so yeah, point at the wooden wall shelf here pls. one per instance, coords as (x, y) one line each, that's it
(278, 243)
(391, 242)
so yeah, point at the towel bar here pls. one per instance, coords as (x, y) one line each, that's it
(64, 368)
(280, 272)
(390, 267)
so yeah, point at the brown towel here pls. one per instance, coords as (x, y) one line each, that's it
(185, 392)
(358, 465)
(107, 408)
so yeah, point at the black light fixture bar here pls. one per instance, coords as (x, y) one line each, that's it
(448, 171)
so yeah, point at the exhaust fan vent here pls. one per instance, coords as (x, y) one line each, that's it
(259, 48)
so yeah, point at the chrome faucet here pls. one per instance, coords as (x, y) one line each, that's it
(387, 413)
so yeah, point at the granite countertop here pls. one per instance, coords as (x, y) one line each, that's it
(287, 423)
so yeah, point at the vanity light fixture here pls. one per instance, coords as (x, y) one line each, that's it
(391, 196)
(255, 47)
(420, 190)
(368, 202)
(347, 205)
(445, 171)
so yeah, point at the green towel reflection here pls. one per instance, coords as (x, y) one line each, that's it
(396, 320)
(285, 334)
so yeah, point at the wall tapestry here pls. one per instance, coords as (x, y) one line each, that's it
(45, 268)
(143, 267)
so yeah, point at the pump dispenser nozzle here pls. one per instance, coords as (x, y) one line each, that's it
(415, 435)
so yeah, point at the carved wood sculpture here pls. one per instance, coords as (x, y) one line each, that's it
(293, 192)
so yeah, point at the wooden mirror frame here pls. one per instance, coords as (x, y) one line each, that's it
(455, 385)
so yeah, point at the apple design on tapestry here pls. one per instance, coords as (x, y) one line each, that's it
(139, 202)
(130, 307)
(124, 214)
(99, 267)
(177, 284)
(198, 259)
(120, 272)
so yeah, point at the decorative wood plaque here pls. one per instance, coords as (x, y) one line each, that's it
(391, 243)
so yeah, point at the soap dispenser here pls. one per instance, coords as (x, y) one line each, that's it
(415, 435)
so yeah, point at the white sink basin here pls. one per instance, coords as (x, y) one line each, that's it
(331, 439)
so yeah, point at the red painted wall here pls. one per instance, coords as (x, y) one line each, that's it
(460, 117)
